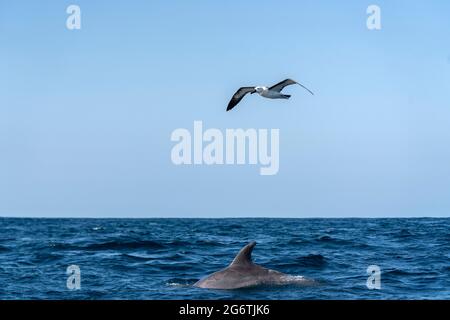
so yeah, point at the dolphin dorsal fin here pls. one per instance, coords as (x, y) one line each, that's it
(244, 257)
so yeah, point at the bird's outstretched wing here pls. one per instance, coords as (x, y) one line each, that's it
(279, 86)
(237, 97)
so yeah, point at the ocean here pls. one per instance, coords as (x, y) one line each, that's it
(162, 258)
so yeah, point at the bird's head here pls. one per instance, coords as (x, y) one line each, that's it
(259, 89)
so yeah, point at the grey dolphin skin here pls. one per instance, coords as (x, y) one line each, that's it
(242, 273)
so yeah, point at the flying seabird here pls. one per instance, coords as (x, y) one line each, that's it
(273, 92)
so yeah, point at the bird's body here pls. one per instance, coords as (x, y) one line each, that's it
(270, 94)
(273, 92)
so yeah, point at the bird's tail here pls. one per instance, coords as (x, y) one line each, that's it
(286, 96)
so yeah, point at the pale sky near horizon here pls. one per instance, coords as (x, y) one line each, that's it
(86, 115)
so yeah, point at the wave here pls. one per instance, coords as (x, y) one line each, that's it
(179, 282)
(332, 240)
(296, 241)
(123, 245)
(178, 243)
(4, 249)
(297, 280)
(405, 233)
(311, 261)
(45, 257)
(137, 256)
(400, 272)
(208, 243)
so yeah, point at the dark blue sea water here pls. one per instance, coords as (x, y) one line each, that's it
(162, 258)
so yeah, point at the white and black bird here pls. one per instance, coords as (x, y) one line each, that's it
(273, 92)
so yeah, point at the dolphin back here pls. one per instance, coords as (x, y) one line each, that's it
(242, 272)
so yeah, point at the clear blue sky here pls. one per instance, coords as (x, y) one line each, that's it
(86, 116)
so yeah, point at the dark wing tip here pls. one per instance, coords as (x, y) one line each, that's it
(231, 105)
(305, 88)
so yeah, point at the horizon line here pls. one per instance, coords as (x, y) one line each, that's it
(226, 217)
